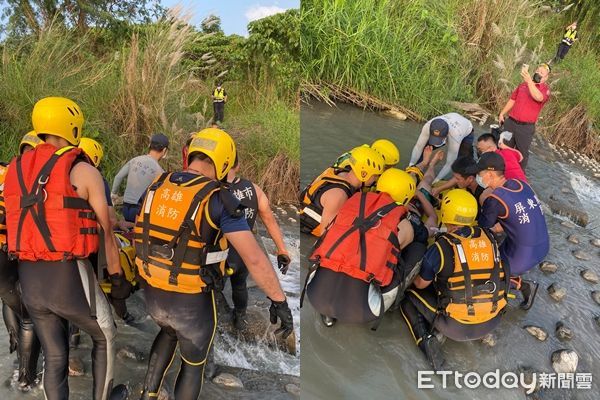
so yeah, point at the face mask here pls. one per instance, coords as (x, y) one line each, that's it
(537, 78)
(480, 181)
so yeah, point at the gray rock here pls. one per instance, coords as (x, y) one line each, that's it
(581, 255)
(595, 242)
(131, 353)
(228, 380)
(597, 319)
(565, 190)
(293, 389)
(556, 292)
(564, 361)
(573, 239)
(536, 332)
(563, 332)
(548, 267)
(568, 224)
(596, 296)
(76, 367)
(590, 276)
(489, 340)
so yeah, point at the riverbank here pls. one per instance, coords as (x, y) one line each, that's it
(334, 360)
(398, 54)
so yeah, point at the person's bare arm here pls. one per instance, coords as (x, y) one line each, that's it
(420, 145)
(90, 186)
(332, 200)
(428, 209)
(421, 283)
(406, 233)
(267, 217)
(509, 105)
(257, 262)
(446, 185)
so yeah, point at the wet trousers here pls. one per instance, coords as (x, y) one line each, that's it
(55, 294)
(189, 320)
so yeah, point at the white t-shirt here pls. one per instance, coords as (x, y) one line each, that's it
(459, 128)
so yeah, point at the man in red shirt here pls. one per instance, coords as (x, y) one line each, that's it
(524, 107)
(512, 157)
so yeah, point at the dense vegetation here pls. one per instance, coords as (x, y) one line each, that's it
(148, 71)
(420, 55)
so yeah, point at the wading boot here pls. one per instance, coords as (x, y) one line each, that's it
(433, 351)
(29, 352)
(210, 368)
(327, 321)
(11, 320)
(528, 290)
(240, 323)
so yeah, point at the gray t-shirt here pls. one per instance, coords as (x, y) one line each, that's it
(140, 172)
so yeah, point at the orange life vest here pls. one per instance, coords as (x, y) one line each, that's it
(178, 247)
(362, 241)
(312, 210)
(45, 216)
(478, 288)
(3, 170)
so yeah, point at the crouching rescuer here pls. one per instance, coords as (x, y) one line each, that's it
(182, 233)
(462, 287)
(364, 256)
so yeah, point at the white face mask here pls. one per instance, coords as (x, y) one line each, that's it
(480, 182)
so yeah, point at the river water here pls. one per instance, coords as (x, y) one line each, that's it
(352, 362)
(264, 371)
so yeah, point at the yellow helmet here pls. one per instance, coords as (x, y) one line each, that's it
(459, 207)
(58, 116)
(92, 149)
(218, 146)
(30, 139)
(388, 151)
(398, 184)
(365, 163)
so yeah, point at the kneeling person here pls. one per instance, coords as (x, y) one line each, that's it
(358, 286)
(462, 287)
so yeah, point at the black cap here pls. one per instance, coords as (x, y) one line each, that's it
(159, 139)
(438, 131)
(490, 161)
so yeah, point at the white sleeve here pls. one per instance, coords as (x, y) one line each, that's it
(420, 145)
(453, 148)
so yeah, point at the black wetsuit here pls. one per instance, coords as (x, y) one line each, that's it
(420, 307)
(55, 294)
(345, 298)
(244, 191)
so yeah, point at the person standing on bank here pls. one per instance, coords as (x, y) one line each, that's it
(567, 41)
(256, 204)
(219, 97)
(524, 107)
(140, 172)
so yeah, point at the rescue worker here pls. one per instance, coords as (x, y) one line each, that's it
(19, 326)
(463, 177)
(515, 207)
(567, 41)
(322, 198)
(386, 149)
(362, 259)
(219, 97)
(256, 204)
(185, 225)
(140, 172)
(451, 128)
(462, 286)
(524, 107)
(54, 203)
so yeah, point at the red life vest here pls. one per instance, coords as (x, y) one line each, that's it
(45, 217)
(362, 241)
(3, 171)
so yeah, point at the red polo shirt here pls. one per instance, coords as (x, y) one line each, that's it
(512, 168)
(526, 109)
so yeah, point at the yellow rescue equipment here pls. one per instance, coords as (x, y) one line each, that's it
(178, 247)
(127, 261)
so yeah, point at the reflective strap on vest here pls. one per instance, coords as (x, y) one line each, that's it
(312, 213)
(467, 276)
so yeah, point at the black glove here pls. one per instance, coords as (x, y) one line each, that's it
(281, 310)
(283, 263)
(121, 287)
